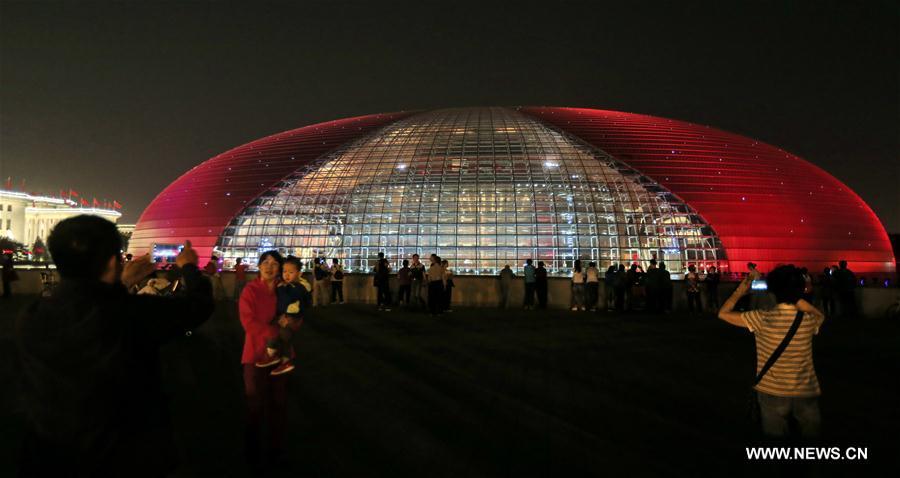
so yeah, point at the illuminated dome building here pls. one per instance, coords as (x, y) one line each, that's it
(485, 187)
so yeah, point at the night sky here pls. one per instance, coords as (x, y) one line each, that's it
(117, 100)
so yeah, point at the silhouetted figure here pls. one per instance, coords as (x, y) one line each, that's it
(448, 286)
(578, 286)
(383, 283)
(506, 277)
(631, 282)
(807, 285)
(592, 285)
(826, 286)
(653, 286)
(321, 282)
(404, 284)
(435, 276)
(665, 294)
(530, 283)
(713, 278)
(92, 393)
(541, 284)
(620, 286)
(609, 286)
(212, 271)
(337, 282)
(8, 274)
(417, 279)
(845, 285)
(240, 277)
(692, 287)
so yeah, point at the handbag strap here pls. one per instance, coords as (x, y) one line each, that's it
(783, 345)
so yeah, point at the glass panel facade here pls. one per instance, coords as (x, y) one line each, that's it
(481, 187)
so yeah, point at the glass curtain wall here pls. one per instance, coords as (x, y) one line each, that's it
(480, 187)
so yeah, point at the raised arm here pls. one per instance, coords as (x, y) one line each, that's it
(727, 312)
(162, 318)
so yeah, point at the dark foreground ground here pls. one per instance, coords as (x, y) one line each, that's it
(493, 393)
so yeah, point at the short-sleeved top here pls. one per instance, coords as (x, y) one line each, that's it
(793, 374)
(529, 273)
(578, 277)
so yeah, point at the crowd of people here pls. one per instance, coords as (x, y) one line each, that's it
(625, 287)
(91, 384)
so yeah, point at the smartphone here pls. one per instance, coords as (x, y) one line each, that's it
(758, 284)
(165, 252)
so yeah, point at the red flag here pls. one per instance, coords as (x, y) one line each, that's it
(73, 193)
(8, 183)
(84, 202)
(62, 194)
(116, 204)
(96, 203)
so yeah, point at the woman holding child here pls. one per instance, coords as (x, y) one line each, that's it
(266, 393)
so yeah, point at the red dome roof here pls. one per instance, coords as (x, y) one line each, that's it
(199, 204)
(766, 205)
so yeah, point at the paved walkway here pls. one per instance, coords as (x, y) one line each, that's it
(511, 393)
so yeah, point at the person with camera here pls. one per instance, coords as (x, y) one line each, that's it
(92, 392)
(786, 386)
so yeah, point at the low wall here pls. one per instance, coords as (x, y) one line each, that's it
(481, 291)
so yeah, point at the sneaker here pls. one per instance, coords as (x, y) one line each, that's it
(387, 309)
(268, 362)
(283, 368)
(342, 302)
(574, 308)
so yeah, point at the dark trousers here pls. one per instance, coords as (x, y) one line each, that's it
(448, 296)
(7, 288)
(620, 298)
(384, 295)
(610, 295)
(593, 294)
(337, 291)
(693, 299)
(653, 299)
(847, 303)
(529, 294)
(266, 401)
(504, 295)
(435, 297)
(404, 293)
(416, 292)
(541, 289)
(828, 305)
(712, 297)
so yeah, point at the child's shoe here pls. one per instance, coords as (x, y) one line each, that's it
(272, 360)
(285, 367)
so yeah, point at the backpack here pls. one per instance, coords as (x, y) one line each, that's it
(339, 274)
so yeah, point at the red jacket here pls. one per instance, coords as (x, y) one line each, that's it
(257, 309)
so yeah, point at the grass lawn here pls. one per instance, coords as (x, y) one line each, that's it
(485, 392)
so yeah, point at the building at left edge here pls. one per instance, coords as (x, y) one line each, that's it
(26, 217)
